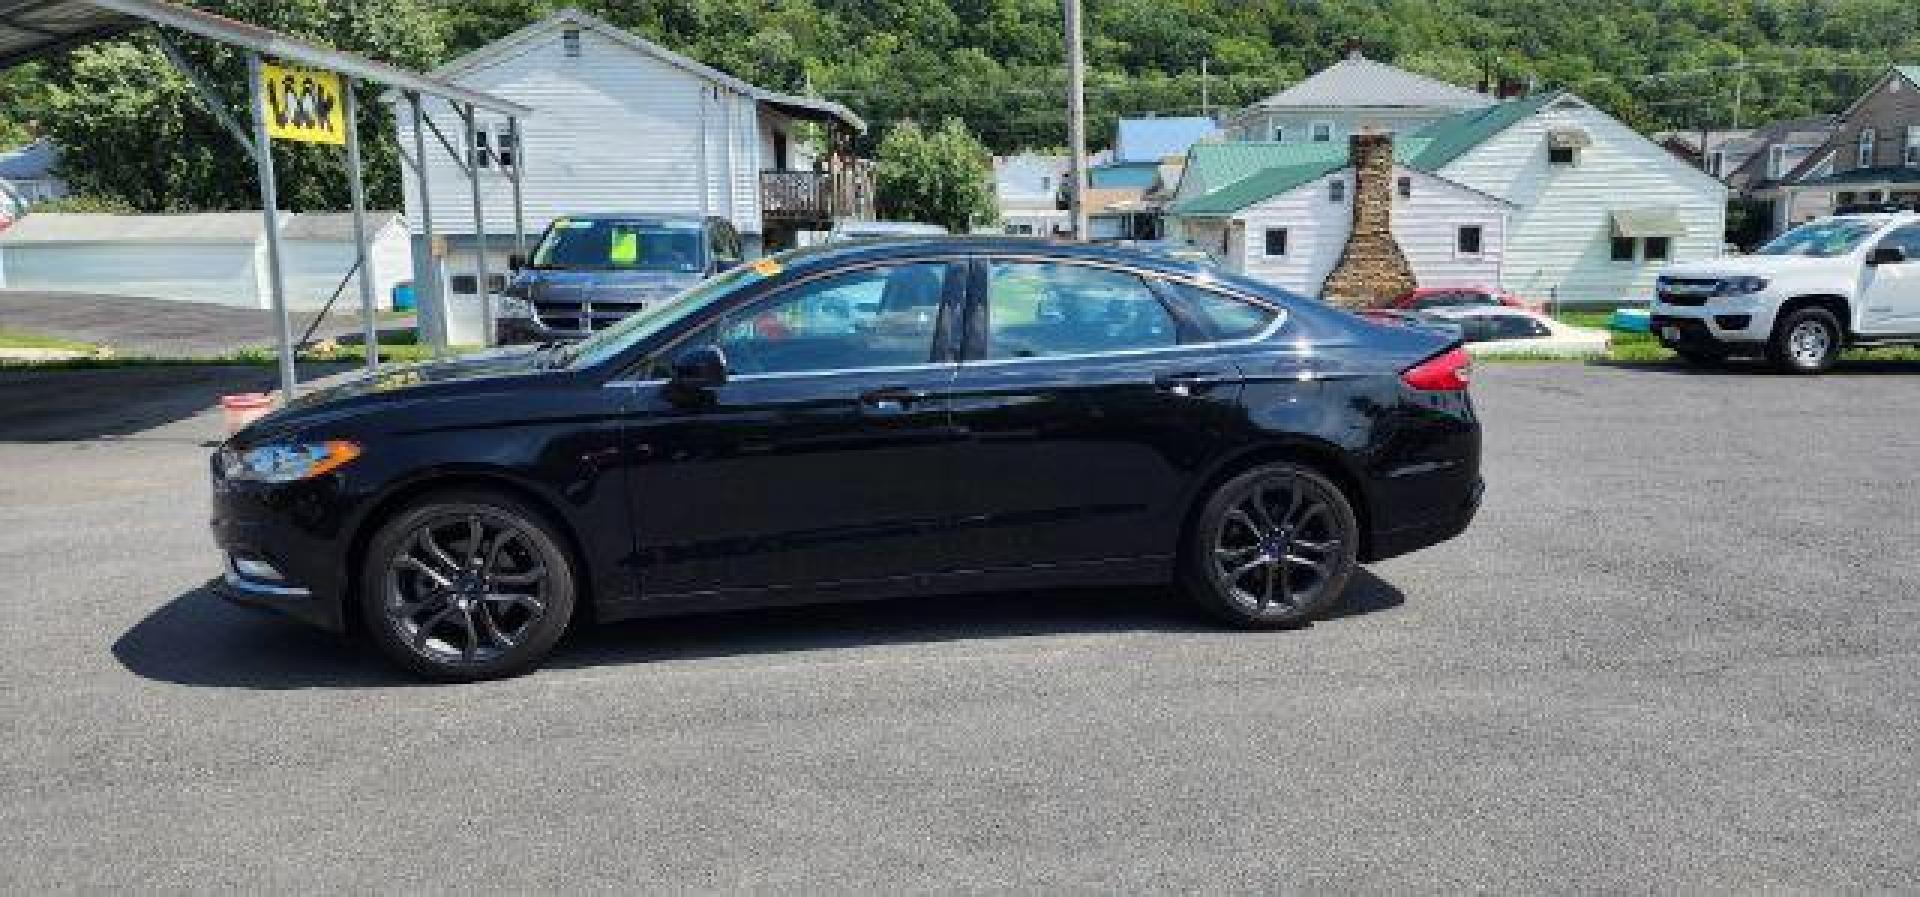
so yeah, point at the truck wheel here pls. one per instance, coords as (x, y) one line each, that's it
(1805, 342)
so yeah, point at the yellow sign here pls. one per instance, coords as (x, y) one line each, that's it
(303, 104)
(767, 267)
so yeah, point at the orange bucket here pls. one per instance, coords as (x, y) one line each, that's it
(245, 408)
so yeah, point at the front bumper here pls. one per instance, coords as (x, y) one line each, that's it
(1718, 325)
(281, 528)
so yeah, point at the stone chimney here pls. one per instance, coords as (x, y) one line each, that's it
(1372, 269)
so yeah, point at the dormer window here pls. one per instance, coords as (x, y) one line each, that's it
(570, 43)
(1564, 146)
(1563, 156)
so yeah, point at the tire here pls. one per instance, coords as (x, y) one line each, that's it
(1291, 535)
(432, 609)
(1706, 358)
(1806, 341)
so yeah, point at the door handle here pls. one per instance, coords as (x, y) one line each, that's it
(1185, 383)
(891, 400)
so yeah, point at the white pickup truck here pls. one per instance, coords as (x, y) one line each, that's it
(1827, 285)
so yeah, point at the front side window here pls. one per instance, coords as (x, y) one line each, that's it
(1820, 239)
(1455, 299)
(1907, 238)
(1041, 310)
(606, 244)
(876, 317)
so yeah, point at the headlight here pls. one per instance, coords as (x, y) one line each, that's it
(286, 463)
(511, 307)
(1741, 286)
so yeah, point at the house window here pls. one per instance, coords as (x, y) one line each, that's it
(481, 154)
(1279, 135)
(570, 43)
(1322, 131)
(1864, 158)
(492, 144)
(1337, 190)
(1657, 249)
(1563, 155)
(1776, 161)
(1276, 241)
(1717, 163)
(1467, 239)
(1912, 155)
(1406, 188)
(1623, 249)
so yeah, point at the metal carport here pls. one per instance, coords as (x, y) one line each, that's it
(30, 29)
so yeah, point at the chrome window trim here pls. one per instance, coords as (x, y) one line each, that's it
(1280, 318)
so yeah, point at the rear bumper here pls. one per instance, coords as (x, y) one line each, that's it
(1428, 533)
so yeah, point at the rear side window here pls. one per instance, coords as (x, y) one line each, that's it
(1225, 317)
(1040, 310)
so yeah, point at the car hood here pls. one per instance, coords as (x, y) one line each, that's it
(543, 285)
(399, 382)
(1748, 264)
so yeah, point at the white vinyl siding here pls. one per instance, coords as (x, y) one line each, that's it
(1559, 236)
(614, 130)
(1425, 225)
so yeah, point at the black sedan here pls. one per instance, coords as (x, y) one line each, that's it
(902, 419)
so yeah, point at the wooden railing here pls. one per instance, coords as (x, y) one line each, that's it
(816, 196)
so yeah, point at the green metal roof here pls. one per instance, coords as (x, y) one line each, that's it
(1451, 137)
(1251, 172)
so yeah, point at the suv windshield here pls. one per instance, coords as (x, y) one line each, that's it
(1821, 239)
(614, 244)
(654, 318)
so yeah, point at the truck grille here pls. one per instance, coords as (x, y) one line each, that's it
(581, 317)
(1687, 291)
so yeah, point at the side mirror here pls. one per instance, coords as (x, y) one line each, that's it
(699, 368)
(1887, 255)
(516, 261)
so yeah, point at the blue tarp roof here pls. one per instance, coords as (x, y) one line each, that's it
(1153, 139)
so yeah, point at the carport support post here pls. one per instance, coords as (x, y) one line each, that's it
(270, 207)
(357, 191)
(426, 290)
(513, 172)
(480, 285)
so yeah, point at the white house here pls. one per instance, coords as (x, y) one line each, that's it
(1027, 189)
(621, 124)
(217, 257)
(28, 175)
(1593, 210)
(1287, 221)
(1351, 95)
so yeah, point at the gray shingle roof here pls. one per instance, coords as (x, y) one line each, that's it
(1357, 81)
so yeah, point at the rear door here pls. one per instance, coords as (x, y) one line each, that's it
(1892, 290)
(1087, 398)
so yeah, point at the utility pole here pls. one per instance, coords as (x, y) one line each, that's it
(1077, 118)
(1206, 106)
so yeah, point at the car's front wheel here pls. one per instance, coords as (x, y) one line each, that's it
(1806, 341)
(469, 585)
(1272, 546)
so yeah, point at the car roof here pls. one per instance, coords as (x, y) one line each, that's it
(694, 217)
(833, 254)
(1481, 311)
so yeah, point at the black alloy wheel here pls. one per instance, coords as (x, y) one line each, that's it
(467, 586)
(1272, 547)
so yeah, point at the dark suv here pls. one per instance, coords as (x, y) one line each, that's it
(590, 271)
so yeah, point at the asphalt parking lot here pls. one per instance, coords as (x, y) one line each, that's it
(1679, 650)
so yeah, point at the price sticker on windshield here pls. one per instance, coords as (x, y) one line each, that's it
(767, 267)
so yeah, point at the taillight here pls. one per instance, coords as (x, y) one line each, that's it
(1450, 371)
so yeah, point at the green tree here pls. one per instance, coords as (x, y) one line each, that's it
(943, 177)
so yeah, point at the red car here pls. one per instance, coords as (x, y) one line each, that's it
(1423, 298)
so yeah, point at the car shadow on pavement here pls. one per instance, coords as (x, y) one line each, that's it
(1758, 368)
(201, 640)
(91, 403)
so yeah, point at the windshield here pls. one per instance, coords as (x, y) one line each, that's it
(609, 244)
(1821, 239)
(655, 318)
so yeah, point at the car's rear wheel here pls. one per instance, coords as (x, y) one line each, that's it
(1272, 546)
(1806, 341)
(469, 585)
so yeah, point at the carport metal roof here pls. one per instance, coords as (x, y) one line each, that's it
(33, 28)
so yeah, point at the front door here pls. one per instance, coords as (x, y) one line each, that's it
(818, 463)
(1087, 398)
(1892, 291)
